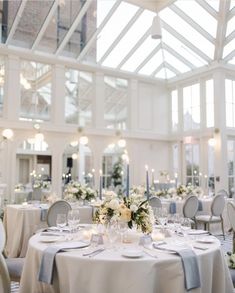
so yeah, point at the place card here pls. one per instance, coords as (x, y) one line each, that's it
(97, 239)
(145, 240)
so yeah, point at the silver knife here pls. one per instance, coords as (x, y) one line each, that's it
(93, 253)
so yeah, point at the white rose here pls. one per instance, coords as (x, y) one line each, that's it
(133, 208)
(114, 204)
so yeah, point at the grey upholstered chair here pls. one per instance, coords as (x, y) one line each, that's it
(5, 283)
(14, 265)
(231, 217)
(190, 209)
(155, 202)
(224, 192)
(217, 207)
(58, 207)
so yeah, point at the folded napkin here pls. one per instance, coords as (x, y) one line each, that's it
(48, 259)
(200, 207)
(190, 265)
(172, 207)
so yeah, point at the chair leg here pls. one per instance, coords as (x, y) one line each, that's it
(208, 224)
(205, 226)
(222, 226)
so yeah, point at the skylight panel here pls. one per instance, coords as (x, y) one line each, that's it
(230, 26)
(103, 8)
(180, 66)
(114, 26)
(140, 54)
(193, 10)
(232, 4)
(165, 73)
(214, 4)
(182, 49)
(188, 32)
(229, 48)
(232, 61)
(130, 39)
(152, 64)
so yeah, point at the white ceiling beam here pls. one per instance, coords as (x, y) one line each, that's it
(45, 25)
(231, 13)
(172, 68)
(146, 60)
(229, 56)
(132, 51)
(121, 35)
(208, 8)
(154, 5)
(221, 29)
(16, 21)
(186, 42)
(178, 56)
(99, 29)
(73, 26)
(193, 24)
(229, 38)
(157, 69)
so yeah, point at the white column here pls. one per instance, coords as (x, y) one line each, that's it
(99, 101)
(221, 169)
(57, 167)
(11, 102)
(58, 95)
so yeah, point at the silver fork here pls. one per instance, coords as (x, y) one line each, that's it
(93, 253)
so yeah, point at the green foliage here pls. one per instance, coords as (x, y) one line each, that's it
(117, 173)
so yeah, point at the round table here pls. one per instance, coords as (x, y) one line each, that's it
(110, 272)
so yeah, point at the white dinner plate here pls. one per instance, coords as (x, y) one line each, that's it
(49, 239)
(206, 240)
(132, 253)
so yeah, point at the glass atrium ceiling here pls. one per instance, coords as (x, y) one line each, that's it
(116, 34)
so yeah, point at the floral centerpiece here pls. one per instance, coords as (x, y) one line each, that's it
(19, 187)
(75, 191)
(132, 210)
(40, 184)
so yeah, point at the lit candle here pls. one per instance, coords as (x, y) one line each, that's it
(100, 191)
(127, 177)
(200, 178)
(153, 177)
(93, 178)
(147, 180)
(205, 182)
(176, 180)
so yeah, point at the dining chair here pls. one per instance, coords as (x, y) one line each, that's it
(190, 208)
(14, 265)
(58, 207)
(215, 216)
(5, 282)
(155, 202)
(224, 192)
(231, 217)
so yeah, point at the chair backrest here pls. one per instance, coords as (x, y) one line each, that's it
(58, 207)
(231, 214)
(190, 206)
(2, 237)
(217, 205)
(155, 202)
(224, 192)
(5, 283)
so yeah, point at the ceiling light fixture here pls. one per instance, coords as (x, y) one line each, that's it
(156, 29)
(7, 133)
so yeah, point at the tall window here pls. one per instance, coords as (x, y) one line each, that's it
(174, 110)
(231, 167)
(35, 82)
(78, 100)
(192, 164)
(210, 180)
(115, 108)
(175, 150)
(210, 103)
(230, 102)
(191, 105)
(2, 81)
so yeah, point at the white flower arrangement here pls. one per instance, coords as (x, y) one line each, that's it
(75, 191)
(40, 184)
(132, 210)
(19, 187)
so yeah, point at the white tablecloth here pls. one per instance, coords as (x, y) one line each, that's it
(21, 222)
(109, 272)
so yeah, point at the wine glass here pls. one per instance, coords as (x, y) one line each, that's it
(112, 234)
(185, 226)
(61, 221)
(122, 227)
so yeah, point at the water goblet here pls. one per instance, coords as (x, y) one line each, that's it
(61, 221)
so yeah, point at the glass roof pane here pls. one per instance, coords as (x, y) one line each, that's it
(94, 16)
(232, 61)
(152, 64)
(165, 73)
(188, 32)
(232, 4)
(140, 54)
(114, 26)
(214, 4)
(229, 48)
(130, 39)
(169, 58)
(182, 49)
(12, 8)
(193, 10)
(30, 23)
(230, 26)
(60, 24)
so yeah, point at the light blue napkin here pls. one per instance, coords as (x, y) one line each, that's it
(190, 265)
(172, 208)
(46, 269)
